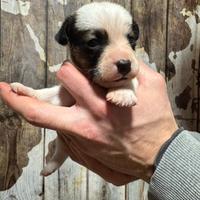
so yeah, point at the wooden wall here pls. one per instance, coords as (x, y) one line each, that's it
(169, 40)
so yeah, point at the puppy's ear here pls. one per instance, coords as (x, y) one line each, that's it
(136, 31)
(62, 37)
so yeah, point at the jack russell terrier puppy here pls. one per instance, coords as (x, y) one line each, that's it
(101, 38)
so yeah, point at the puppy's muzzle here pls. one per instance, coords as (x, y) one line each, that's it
(123, 66)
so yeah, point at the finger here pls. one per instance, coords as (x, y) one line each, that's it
(80, 87)
(40, 113)
(147, 75)
(144, 72)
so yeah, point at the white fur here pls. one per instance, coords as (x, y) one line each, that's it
(104, 15)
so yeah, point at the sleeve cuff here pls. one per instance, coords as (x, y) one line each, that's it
(177, 175)
(165, 146)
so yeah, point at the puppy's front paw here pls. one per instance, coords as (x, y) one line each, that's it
(122, 97)
(22, 90)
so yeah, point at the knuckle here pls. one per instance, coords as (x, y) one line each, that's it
(100, 109)
(89, 133)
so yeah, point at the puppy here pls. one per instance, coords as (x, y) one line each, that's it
(101, 38)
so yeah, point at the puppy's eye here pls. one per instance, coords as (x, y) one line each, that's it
(132, 40)
(93, 43)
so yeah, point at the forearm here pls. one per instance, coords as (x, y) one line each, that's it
(178, 174)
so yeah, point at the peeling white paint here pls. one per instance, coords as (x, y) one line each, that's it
(183, 60)
(60, 24)
(30, 182)
(184, 12)
(54, 68)
(63, 2)
(40, 50)
(186, 55)
(38, 47)
(188, 13)
(15, 7)
(142, 55)
(198, 10)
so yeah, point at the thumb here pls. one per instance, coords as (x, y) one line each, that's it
(85, 92)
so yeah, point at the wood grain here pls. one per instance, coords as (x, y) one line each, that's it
(166, 36)
(19, 62)
(70, 182)
(126, 4)
(29, 184)
(151, 17)
(182, 62)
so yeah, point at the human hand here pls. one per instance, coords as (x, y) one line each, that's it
(120, 144)
(131, 137)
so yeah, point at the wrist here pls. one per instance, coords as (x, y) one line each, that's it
(165, 136)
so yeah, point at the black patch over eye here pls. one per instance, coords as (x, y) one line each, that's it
(93, 43)
(86, 47)
(99, 39)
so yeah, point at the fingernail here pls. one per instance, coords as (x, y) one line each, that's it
(66, 61)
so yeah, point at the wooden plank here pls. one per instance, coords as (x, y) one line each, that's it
(51, 183)
(100, 189)
(152, 21)
(73, 181)
(126, 4)
(55, 52)
(137, 190)
(20, 62)
(182, 66)
(29, 184)
(70, 182)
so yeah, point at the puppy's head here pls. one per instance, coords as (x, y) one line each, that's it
(102, 38)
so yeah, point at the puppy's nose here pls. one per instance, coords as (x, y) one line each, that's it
(123, 66)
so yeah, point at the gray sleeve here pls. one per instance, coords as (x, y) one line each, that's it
(177, 176)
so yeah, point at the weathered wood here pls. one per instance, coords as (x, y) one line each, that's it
(169, 34)
(70, 181)
(56, 53)
(137, 191)
(126, 4)
(51, 183)
(29, 184)
(20, 62)
(152, 21)
(182, 66)
(100, 189)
